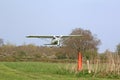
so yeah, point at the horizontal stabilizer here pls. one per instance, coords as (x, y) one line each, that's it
(50, 44)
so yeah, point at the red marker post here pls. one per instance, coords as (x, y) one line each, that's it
(79, 61)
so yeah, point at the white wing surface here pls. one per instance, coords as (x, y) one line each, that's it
(40, 36)
(62, 36)
(71, 36)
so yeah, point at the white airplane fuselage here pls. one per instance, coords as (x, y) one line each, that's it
(55, 41)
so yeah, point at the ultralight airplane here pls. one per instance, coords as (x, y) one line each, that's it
(55, 40)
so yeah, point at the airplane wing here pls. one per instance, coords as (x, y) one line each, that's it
(39, 36)
(71, 36)
(54, 36)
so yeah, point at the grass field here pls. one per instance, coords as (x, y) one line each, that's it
(39, 71)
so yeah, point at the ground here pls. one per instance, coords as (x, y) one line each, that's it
(39, 71)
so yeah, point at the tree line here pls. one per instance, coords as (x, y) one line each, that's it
(88, 45)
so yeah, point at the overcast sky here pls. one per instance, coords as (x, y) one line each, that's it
(19, 18)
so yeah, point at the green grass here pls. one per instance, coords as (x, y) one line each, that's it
(40, 71)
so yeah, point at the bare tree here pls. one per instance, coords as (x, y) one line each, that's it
(118, 49)
(1, 42)
(86, 44)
